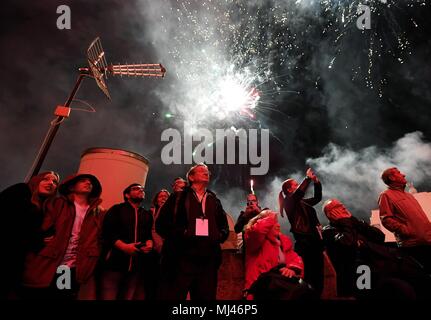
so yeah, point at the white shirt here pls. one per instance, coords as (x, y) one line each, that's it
(69, 258)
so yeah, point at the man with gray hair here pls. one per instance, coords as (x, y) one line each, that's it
(193, 228)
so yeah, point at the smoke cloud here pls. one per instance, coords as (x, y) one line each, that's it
(353, 177)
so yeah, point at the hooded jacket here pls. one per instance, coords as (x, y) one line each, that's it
(41, 266)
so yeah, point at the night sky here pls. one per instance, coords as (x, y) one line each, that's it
(346, 102)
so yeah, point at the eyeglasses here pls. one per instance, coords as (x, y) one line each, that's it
(137, 188)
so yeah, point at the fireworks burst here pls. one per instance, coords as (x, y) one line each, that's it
(232, 57)
(385, 40)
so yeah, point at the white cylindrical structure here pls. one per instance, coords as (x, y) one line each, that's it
(115, 169)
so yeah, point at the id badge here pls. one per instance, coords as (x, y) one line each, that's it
(201, 227)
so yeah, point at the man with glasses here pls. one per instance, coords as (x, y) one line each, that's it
(193, 229)
(128, 244)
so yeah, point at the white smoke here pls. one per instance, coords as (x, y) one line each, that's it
(353, 177)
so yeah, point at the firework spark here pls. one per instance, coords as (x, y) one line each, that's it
(231, 57)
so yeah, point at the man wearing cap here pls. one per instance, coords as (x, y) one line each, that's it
(128, 244)
(69, 258)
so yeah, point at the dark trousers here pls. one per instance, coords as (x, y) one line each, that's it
(152, 276)
(117, 285)
(197, 276)
(311, 252)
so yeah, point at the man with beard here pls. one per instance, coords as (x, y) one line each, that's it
(127, 239)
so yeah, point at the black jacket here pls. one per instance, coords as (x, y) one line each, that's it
(119, 224)
(351, 242)
(20, 224)
(176, 224)
(300, 212)
(342, 238)
(243, 219)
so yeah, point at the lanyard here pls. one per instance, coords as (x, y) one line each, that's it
(201, 201)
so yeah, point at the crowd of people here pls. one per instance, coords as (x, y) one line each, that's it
(68, 247)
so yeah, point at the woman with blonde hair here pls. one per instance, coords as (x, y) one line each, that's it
(273, 269)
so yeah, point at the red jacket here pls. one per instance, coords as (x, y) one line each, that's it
(262, 252)
(41, 267)
(402, 214)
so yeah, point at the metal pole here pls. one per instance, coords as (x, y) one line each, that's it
(37, 164)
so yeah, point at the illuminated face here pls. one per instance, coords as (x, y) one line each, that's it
(335, 210)
(48, 185)
(200, 174)
(252, 200)
(136, 193)
(293, 185)
(161, 198)
(179, 185)
(397, 176)
(82, 186)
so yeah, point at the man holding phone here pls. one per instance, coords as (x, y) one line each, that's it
(128, 246)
